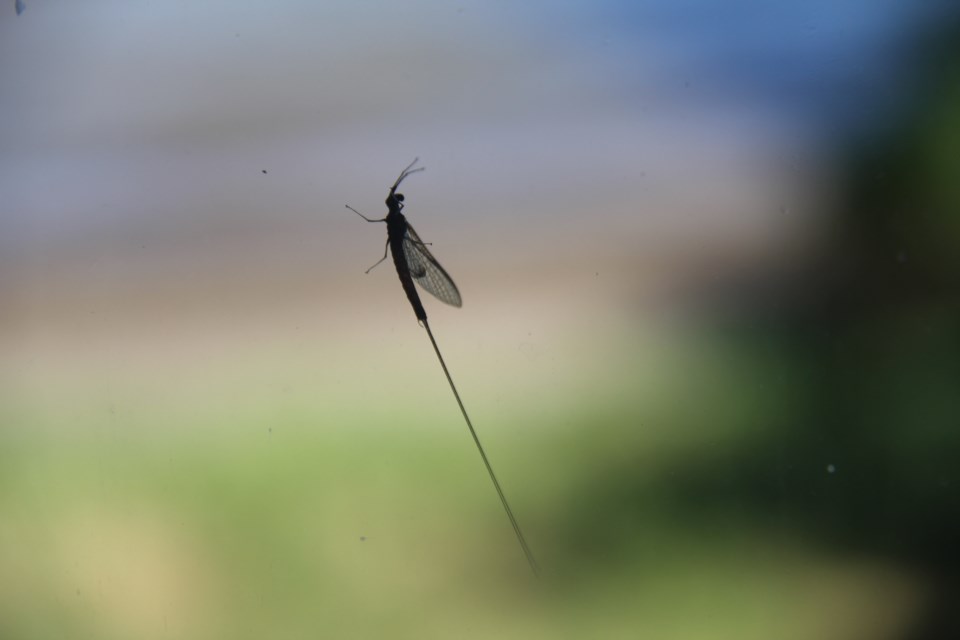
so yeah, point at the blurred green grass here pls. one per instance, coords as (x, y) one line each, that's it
(246, 513)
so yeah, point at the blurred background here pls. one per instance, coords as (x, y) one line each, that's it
(710, 333)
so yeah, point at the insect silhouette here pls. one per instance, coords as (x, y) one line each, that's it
(415, 263)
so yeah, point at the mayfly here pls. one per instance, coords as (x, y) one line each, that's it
(414, 262)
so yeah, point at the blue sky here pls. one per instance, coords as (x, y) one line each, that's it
(108, 103)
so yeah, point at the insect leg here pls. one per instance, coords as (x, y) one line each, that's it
(365, 217)
(384, 253)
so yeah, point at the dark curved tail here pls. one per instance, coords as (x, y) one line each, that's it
(503, 498)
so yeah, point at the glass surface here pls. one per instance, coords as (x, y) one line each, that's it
(710, 333)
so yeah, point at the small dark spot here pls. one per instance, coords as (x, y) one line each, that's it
(263, 171)
(363, 538)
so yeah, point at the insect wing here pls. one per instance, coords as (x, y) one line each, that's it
(427, 271)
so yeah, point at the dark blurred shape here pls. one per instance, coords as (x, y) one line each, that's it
(857, 444)
(890, 347)
(19, 6)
